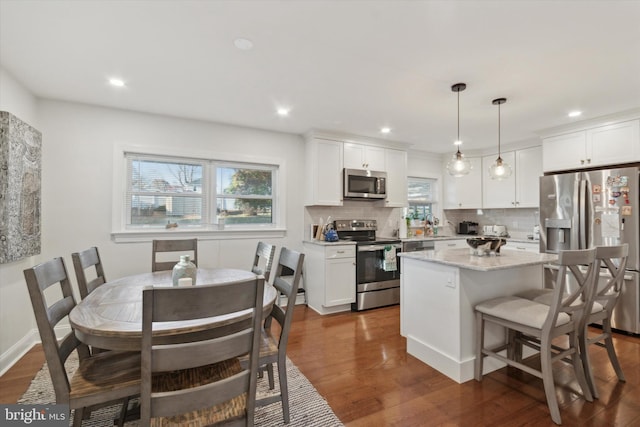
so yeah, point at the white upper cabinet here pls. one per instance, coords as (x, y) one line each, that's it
(323, 172)
(464, 192)
(528, 173)
(616, 143)
(396, 168)
(613, 144)
(521, 189)
(359, 156)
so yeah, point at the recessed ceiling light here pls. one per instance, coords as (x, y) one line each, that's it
(575, 113)
(116, 82)
(243, 44)
(283, 112)
(385, 130)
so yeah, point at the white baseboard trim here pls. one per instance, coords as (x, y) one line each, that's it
(19, 349)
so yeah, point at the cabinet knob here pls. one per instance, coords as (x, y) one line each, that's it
(588, 160)
(513, 203)
(582, 162)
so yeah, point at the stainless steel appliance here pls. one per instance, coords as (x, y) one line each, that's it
(595, 208)
(377, 264)
(468, 227)
(418, 245)
(365, 184)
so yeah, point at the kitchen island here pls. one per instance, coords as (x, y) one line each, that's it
(438, 292)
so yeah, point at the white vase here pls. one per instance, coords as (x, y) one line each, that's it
(184, 268)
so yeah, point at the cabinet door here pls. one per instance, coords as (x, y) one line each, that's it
(614, 144)
(340, 281)
(324, 172)
(396, 167)
(450, 244)
(563, 152)
(521, 246)
(359, 156)
(528, 170)
(353, 156)
(499, 194)
(375, 158)
(464, 192)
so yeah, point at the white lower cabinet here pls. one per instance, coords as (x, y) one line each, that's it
(450, 244)
(533, 246)
(330, 277)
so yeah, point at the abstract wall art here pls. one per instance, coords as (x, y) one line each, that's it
(20, 178)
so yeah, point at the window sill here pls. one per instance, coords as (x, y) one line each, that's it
(132, 236)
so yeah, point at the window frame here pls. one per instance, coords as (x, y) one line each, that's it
(121, 232)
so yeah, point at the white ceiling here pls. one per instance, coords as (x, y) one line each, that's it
(346, 66)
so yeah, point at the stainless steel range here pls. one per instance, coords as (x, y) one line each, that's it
(377, 264)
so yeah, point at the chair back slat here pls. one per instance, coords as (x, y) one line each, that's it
(572, 301)
(609, 293)
(201, 353)
(178, 247)
(289, 260)
(263, 259)
(83, 261)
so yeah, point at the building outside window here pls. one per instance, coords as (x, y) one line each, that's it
(423, 196)
(165, 192)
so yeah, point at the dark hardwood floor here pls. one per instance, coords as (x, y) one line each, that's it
(358, 363)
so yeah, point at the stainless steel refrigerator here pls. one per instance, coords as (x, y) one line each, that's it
(596, 208)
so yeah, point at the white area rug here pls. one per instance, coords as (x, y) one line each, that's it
(307, 407)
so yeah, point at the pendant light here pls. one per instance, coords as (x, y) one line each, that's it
(458, 165)
(500, 169)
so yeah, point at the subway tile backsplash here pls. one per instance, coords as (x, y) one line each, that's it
(519, 222)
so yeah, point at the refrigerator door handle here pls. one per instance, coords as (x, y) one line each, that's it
(582, 221)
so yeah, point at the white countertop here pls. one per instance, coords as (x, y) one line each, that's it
(462, 258)
(466, 236)
(325, 243)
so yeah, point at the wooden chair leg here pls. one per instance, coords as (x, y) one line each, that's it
(78, 414)
(272, 383)
(582, 374)
(586, 362)
(608, 342)
(547, 380)
(477, 367)
(284, 387)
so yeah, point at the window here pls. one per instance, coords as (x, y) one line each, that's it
(422, 195)
(168, 192)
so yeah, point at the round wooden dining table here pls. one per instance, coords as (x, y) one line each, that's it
(110, 317)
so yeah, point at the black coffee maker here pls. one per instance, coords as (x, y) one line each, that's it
(468, 227)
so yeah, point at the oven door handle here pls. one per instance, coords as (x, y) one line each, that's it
(374, 248)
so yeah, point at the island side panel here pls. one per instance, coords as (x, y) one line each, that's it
(437, 311)
(430, 313)
(479, 286)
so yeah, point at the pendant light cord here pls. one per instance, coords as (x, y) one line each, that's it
(499, 153)
(458, 140)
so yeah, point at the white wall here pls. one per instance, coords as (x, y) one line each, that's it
(77, 161)
(16, 320)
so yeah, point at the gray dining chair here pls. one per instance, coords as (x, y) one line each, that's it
(82, 261)
(176, 248)
(198, 380)
(536, 325)
(263, 259)
(614, 258)
(606, 296)
(273, 347)
(100, 379)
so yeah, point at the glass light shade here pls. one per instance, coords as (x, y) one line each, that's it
(500, 170)
(459, 166)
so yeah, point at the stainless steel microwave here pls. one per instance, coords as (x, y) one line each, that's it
(365, 184)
